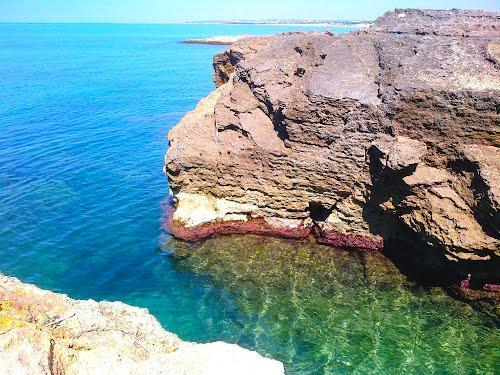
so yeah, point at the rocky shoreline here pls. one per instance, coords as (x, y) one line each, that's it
(48, 333)
(387, 137)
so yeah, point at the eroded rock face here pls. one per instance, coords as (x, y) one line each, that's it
(47, 333)
(324, 135)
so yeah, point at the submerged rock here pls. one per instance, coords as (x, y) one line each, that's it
(321, 309)
(360, 139)
(47, 333)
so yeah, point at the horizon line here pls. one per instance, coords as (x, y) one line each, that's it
(224, 22)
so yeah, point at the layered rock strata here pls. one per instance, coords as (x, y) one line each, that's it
(47, 333)
(391, 133)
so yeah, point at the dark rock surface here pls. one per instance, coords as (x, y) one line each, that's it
(384, 135)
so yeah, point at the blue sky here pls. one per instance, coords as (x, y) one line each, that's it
(154, 11)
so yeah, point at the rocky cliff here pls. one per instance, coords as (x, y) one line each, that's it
(48, 333)
(366, 139)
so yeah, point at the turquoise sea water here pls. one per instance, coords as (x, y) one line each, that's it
(84, 110)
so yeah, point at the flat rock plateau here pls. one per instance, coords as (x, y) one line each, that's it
(382, 139)
(47, 333)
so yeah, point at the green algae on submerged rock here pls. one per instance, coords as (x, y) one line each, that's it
(321, 310)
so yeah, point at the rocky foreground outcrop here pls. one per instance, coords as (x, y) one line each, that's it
(388, 135)
(47, 333)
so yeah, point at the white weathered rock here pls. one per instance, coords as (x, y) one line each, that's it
(196, 209)
(47, 333)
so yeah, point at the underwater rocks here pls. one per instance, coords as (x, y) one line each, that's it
(359, 140)
(285, 294)
(47, 333)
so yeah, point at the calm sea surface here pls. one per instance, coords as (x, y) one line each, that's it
(84, 111)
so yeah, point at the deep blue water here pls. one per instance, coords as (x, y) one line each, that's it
(84, 113)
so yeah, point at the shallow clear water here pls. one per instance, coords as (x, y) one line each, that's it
(84, 110)
(324, 310)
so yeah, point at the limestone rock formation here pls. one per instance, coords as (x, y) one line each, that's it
(47, 333)
(390, 132)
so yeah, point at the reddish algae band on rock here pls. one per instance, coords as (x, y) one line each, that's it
(353, 241)
(262, 227)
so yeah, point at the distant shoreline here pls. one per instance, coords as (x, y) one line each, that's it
(230, 39)
(357, 24)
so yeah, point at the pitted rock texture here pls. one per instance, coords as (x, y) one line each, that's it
(340, 133)
(47, 333)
